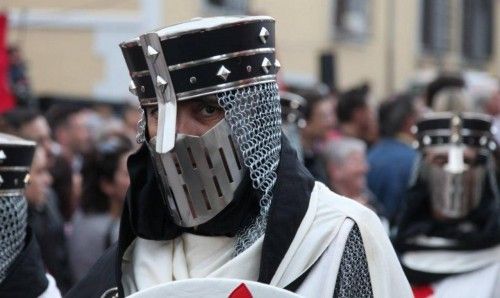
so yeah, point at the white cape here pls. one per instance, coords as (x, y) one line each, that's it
(327, 221)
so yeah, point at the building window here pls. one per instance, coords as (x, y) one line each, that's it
(226, 7)
(351, 20)
(477, 29)
(464, 29)
(435, 30)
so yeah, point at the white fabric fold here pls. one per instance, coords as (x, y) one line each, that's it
(149, 263)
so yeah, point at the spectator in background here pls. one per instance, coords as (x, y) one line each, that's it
(492, 108)
(355, 115)
(319, 113)
(131, 117)
(105, 182)
(70, 127)
(46, 221)
(31, 125)
(347, 168)
(292, 119)
(18, 78)
(448, 93)
(391, 159)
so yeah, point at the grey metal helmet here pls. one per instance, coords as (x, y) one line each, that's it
(15, 159)
(457, 159)
(233, 59)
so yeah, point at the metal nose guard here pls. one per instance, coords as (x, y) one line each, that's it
(167, 102)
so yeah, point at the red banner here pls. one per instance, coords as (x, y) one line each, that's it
(6, 99)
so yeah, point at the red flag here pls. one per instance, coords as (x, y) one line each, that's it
(6, 99)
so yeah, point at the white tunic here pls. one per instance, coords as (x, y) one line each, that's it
(326, 223)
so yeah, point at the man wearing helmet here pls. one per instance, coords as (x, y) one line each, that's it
(217, 192)
(449, 232)
(22, 272)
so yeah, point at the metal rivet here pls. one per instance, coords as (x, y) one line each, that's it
(483, 140)
(152, 51)
(415, 144)
(161, 83)
(492, 146)
(132, 88)
(192, 80)
(455, 121)
(426, 140)
(266, 64)
(301, 123)
(414, 129)
(27, 178)
(223, 73)
(264, 34)
(1, 180)
(277, 64)
(143, 89)
(249, 68)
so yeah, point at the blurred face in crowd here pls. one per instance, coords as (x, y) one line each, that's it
(365, 119)
(131, 116)
(40, 179)
(38, 130)
(493, 105)
(194, 117)
(322, 118)
(75, 135)
(349, 177)
(116, 189)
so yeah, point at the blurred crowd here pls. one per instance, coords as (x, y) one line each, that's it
(361, 146)
(78, 181)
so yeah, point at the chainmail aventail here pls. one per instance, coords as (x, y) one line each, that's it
(254, 115)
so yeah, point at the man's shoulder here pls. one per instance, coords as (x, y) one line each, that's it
(379, 150)
(341, 205)
(100, 279)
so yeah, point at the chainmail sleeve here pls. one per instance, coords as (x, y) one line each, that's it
(353, 279)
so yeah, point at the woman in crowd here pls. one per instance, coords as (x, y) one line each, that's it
(105, 182)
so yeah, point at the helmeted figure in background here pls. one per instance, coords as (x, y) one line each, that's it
(217, 192)
(22, 273)
(293, 119)
(449, 233)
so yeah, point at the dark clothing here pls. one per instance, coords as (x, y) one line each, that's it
(96, 230)
(100, 278)
(48, 228)
(315, 164)
(483, 228)
(391, 163)
(26, 275)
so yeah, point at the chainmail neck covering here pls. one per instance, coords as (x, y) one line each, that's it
(13, 216)
(254, 115)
